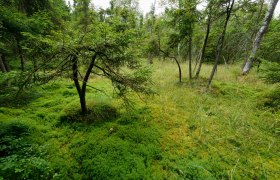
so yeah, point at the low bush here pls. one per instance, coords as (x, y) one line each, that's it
(20, 158)
(271, 101)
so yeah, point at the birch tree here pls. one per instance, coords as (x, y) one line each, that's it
(259, 36)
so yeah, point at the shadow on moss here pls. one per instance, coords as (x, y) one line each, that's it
(10, 99)
(97, 114)
(270, 101)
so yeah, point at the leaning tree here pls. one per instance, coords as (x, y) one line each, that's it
(259, 36)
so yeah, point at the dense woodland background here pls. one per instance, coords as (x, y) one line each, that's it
(191, 93)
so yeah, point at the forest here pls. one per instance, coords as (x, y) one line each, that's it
(191, 92)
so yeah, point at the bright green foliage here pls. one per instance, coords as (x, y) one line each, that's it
(216, 138)
(37, 141)
(271, 102)
(239, 39)
(88, 45)
(270, 72)
(35, 18)
(182, 22)
(270, 48)
(184, 131)
(21, 156)
(201, 135)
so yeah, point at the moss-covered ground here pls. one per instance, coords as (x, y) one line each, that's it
(184, 131)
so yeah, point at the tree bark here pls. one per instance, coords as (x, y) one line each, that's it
(150, 58)
(20, 55)
(190, 57)
(253, 31)
(85, 81)
(2, 65)
(82, 90)
(221, 41)
(5, 63)
(204, 45)
(259, 36)
(177, 62)
(179, 69)
(77, 84)
(159, 43)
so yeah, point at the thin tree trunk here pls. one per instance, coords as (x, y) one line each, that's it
(21, 61)
(259, 36)
(190, 57)
(150, 58)
(159, 44)
(179, 69)
(179, 51)
(82, 90)
(77, 84)
(177, 62)
(7, 67)
(85, 80)
(204, 45)
(254, 31)
(20, 55)
(221, 41)
(2, 65)
(35, 67)
(197, 59)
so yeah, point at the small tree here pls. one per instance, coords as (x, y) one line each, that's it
(229, 7)
(270, 72)
(101, 48)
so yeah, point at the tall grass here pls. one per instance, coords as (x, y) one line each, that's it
(216, 133)
(183, 132)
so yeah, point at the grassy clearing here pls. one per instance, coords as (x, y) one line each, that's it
(183, 132)
(218, 133)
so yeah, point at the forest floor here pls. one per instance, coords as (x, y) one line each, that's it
(184, 131)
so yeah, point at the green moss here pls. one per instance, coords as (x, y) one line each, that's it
(183, 132)
(271, 100)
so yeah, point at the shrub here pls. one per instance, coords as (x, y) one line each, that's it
(271, 100)
(270, 72)
(99, 112)
(20, 158)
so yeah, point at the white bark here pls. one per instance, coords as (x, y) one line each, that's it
(259, 36)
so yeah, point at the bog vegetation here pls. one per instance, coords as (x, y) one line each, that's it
(92, 93)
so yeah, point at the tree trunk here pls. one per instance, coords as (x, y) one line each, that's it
(221, 41)
(204, 45)
(259, 36)
(77, 84)
(86, 78)
(159, 44)
(5, 63)
(82, 90)
(253, 31)
(83, 103)
(177, 62)
(2, 65)
(20, 55)
(190, 57)
(150, 58)
(179, 69)
(197, 59)
(179, 51)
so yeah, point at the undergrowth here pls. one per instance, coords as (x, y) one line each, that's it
(230, 131)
